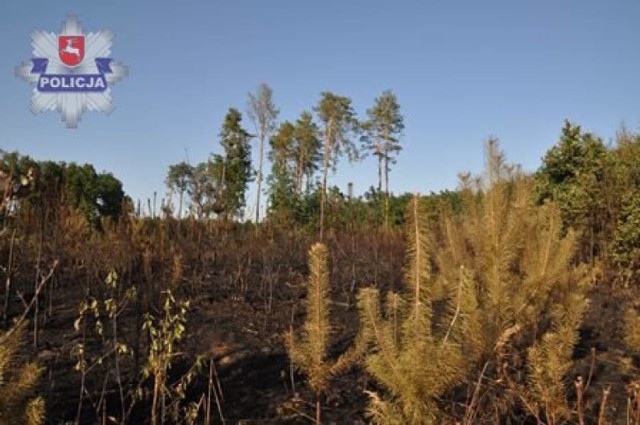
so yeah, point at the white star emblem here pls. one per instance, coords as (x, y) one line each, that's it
(72, 103)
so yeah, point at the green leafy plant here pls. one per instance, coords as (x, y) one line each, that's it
(165, 332)
(100, 318)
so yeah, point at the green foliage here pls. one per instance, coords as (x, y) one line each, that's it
(179, 178)
(97, 195)
(383, 129)
(626, 246)
(339, 123)
(577, 175)
(18, 382)
(101, 346)
(295, 154)
(306, 149)
(596, 189)
(282, 192)
(218, 185)
(384, 125)
(233, 170)
(205, 188)
(165, 332)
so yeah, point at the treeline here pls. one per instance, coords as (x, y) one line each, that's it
(53, 186)
(597, 188)
(596, 185)
(301, 153)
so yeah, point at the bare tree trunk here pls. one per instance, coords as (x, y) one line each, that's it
(154, 404)
(36, 309)
(379, 174)
(300, 173)
(386, 190)
(260, 161)
(224, 191)
(318, 410)
(9, 272)
(379, 154)
(325, 170)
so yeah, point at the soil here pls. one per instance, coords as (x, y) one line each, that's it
(244, 337)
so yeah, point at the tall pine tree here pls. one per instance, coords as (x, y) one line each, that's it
(282, 192)
(234, 169)
(263, 112)
(306, 149)
(384, 127)
(339, 124)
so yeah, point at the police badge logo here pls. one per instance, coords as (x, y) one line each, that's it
(72, 72)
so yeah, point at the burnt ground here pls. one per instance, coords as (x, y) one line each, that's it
(244, 336)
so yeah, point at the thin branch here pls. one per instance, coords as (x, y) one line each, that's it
(22, 318)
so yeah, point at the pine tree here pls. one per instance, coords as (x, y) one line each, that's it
(339, 123)
(384, 126)
(233, 171)
(306, 149)
(550, 360)
(282, 185)
(18, 382)
(417, 357)
(576, 174)
(501, 275)
(309, 352)
(263, 112)
(530, 297)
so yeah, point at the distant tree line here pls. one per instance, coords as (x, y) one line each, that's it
(301, 154)
(49, 185)
(596, 185)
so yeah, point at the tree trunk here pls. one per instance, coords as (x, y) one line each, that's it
(379, 171)
(325, 170)
(154, 404)
(7, 285)
(260, 160)
(300, 173)
(378, 203)
(318, 410)
(386, 190)
(224, 191)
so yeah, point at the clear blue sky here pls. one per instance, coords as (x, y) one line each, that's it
(463, 71)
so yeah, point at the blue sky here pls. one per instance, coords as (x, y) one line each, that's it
(463, 71)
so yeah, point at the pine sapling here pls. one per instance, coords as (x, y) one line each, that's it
(309, 351)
